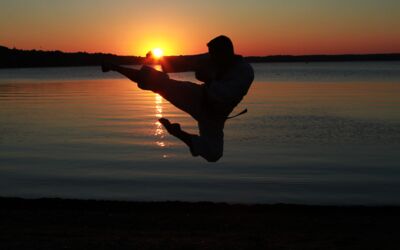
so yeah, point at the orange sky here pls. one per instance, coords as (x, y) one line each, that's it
(129, 27)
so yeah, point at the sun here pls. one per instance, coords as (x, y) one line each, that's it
(157, 53)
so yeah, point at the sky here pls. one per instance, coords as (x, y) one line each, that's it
(257, 27)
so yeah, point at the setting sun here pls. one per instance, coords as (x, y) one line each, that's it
(157, 53)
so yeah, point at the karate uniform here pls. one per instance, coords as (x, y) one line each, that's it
(209, 104)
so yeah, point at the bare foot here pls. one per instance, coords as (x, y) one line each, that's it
(175, 130)
(172, 128)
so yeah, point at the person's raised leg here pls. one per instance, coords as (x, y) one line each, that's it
(186, 96)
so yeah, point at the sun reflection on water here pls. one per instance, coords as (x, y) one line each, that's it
(159, 132)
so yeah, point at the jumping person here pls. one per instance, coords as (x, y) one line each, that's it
(227, 79)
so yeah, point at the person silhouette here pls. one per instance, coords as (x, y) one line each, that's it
(226, 80)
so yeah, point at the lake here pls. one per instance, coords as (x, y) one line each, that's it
(315, 133)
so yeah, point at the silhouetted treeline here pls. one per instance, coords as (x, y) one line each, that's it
(326, 58)
(15, 58)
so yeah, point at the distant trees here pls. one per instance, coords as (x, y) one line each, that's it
(15, 58)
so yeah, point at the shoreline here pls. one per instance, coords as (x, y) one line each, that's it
(51, 223)
(17, 58)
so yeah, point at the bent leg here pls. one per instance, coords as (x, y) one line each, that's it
(210, 148)
(175, 130)
(210, 143)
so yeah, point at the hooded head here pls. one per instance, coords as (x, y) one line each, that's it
(221, 50)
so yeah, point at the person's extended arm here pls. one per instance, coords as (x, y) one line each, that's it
(132, 74)
(174, 64)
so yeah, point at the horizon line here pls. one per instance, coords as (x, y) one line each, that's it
(270, 55)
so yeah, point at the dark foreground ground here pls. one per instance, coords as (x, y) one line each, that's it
(77, 224)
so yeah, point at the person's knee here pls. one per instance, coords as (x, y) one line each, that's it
(211, 149)
(213, 156)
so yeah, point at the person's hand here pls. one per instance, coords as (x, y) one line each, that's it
(149, 58)
(107, 66)
(149, 55)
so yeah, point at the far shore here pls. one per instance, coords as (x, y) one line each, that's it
(90, 224)
(16, 58)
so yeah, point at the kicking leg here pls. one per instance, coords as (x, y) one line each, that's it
(186, 96)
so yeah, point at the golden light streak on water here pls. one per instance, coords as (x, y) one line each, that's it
(159, 131)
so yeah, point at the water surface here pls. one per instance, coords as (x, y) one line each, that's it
(317, 133)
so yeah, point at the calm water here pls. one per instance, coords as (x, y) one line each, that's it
(318, 133)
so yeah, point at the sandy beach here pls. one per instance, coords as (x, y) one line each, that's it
(90, 224)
